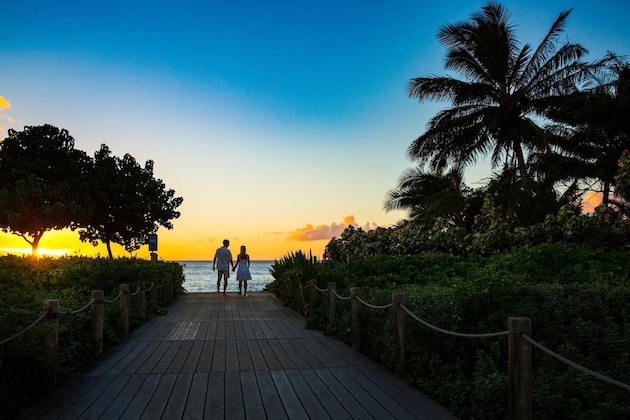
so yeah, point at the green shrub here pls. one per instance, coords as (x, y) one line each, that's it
(25, 283)
(578, 298)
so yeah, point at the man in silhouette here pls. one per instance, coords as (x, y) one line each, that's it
(222, 262)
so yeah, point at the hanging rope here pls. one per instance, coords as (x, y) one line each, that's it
(455, 334)
(114, 299)
(76, 311)
(42, 316)
(340, 297)
(573, 364)
(389, 305)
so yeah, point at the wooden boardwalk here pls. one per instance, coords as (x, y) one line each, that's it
(235, 357)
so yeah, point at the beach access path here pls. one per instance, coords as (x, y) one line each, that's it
(235, 357)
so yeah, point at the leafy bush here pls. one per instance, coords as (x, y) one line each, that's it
(24, 370)
(577, 297)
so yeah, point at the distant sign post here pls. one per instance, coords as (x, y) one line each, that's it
(153, 246)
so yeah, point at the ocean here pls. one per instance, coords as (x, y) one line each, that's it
(199, 277)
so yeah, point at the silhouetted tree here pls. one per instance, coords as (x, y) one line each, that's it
(505, 87)
(129, 202)
(42, 182)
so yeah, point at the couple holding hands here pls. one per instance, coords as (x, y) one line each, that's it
(222, 262)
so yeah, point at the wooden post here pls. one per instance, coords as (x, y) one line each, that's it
(312, 290)
(356, 317)
(51, 337)
(124, 309)
(141, 300)
(520, 366)
(331, 305)
(97, 321)
(154, 295)
(400, 329)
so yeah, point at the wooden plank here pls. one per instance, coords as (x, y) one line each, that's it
(307, 397)
(254, 409)
(88, 397)
(156, 405)
(215, 396)
(179, 395)
(124, 398)
(206, 356)
(234, 408)
(239, 332)
(106, 398)
(284, 359)
(313, 362)
(366, 400)
(169, 354)
(232, 356)
(258, 360)
(180, 357)
(218, 358)
(116, 365)
(229, 330)
(244, 358)
(272, 361)
(343, 396)
(289, 398)
(194, 355)
(269, 395)
(142, 397)
(295, 356)
(196, 402)
(334, 408)
(153, 359)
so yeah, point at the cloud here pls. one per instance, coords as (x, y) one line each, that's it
(4, 104)
(327, 232)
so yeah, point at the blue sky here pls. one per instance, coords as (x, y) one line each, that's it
(270, 118)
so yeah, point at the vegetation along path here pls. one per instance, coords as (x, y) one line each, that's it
(215, 356)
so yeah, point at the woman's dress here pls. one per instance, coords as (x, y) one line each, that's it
(242, 273)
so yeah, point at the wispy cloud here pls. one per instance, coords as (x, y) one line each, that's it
(4, 104)
(327, 232)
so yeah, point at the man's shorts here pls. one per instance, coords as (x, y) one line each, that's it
(224, 274)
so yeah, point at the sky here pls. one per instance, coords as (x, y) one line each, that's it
(279, 123)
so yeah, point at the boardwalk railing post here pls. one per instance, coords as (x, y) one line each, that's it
(356, 317)
(154, 295)
(331, 305)
(51, 337)
(400, 328)
(520, 366)
(141, 300)
(97, 321)
(124, 308)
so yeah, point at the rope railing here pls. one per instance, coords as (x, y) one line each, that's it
(150, 288)
(369, 305)
(76, 311)
(518, 334)
(14, 336)
(339, 296)
(114, 299)
(136, 292)
(574, 365)
(453, 333)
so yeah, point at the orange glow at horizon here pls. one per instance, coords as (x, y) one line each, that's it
(42, 252)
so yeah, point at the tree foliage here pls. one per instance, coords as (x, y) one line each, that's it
(43, 182)
(129, 202)
(46, 184)
(504, 89)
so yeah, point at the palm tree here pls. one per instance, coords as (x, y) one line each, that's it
(426, 196)
(505, 89)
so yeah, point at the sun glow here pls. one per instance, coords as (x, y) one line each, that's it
(41, 252)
